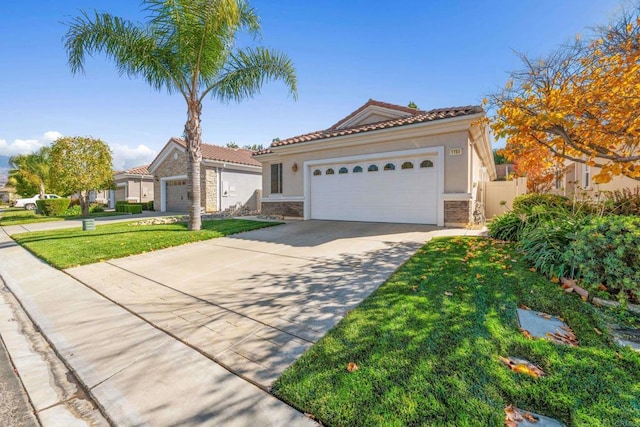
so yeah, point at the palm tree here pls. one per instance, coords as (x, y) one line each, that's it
(31, 171)
(188, 47)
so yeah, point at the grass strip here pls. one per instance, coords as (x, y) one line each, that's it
(72, 247)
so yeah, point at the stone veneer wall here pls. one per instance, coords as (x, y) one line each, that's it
(292, 209)
(176, 167)
(457, 212)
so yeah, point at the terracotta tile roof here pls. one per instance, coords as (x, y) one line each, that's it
(224, 154)
(418, 116)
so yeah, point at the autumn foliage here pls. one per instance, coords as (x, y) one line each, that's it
(582, 103)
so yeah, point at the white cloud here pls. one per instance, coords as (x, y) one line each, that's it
(52, 135)
(27, 146)
(125, 157)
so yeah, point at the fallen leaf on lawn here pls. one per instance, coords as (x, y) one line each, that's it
(529, 417)
(554, 279)
(512, 416)
(423, 277)
(532, 269)
(352, 367)
(526, 333)
(308, 415)
(545, 315)
(449, 294)
(478, 276)
(598, 331)
(522, 366)
(602, 287)
(524, 307)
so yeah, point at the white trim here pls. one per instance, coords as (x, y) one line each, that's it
(281, 198)
(456, 196)
(371, 110)
(163, 189)
(440, 162)
(232, 166)
(219, 189)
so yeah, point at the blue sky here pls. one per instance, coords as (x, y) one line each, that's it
(435, 53)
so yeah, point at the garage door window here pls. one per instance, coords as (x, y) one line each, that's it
(389, 167)
(357, 169)
(276, 178)
(343, 170)
(317, 172)
(372, 168)
(330, 172)
(407, 165)
(426, 164)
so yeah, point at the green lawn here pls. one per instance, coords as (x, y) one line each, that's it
(68, 248)
(23, 216)
(428, 342)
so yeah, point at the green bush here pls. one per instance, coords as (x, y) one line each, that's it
(621, 202)
(545, 245)
(606, 251)
(147, 206)
(133, 208)
(53, 207)
(96, 207)
(74, 210)
(526, 202)
(507, 226)
(120, 206)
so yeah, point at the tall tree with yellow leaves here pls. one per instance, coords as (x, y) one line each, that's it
(582, 103)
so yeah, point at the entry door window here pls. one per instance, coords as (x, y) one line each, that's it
(276, 178)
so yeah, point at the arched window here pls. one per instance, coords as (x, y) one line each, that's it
(426, 164)
(389, 167)
(372, 168)
(330, 172)
(317, 172)
(343, 170)
(357, 169)
(407, 165)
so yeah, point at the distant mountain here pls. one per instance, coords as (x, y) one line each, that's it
(4, 162)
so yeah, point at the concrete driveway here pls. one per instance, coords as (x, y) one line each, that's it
(256, 301)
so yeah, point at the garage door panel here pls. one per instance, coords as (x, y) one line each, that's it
(176, 192)
(399, 195)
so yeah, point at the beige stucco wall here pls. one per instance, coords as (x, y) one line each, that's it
(573, 183)
(456, 167)
(138, 189)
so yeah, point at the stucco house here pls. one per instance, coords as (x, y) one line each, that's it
(576, 179)
(229, 177)
(382, 163)
(135, 185)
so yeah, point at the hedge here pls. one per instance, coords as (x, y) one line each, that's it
(53, 207)
(126, 207)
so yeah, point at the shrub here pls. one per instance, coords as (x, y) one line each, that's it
(74, 210)
(545, 245)
(147, 206)
(507, 226)
(606, 252)
(120, 206)
(621, 202)
(133, 208)
(526, 202)
(52, 207)
(74, 202)
(96, 207)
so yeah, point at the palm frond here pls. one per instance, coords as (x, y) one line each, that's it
(135, 51)
(246, 71)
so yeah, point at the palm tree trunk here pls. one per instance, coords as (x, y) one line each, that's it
(42, 189)
(193, 136)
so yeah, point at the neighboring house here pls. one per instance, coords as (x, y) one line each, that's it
(135, 185)
(577, 180)
(229, 177)
(382, 163)
(7, 194)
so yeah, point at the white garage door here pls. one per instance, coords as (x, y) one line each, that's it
(387, 190)
(177, 200)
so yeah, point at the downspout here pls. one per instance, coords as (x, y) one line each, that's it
(219, 185)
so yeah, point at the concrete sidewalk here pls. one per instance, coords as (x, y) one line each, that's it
(136, 373)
